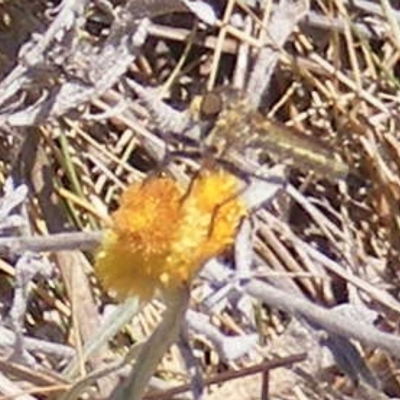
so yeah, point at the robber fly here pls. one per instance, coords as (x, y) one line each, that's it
(234, 126)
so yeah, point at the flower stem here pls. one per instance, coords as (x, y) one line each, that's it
(156, 346)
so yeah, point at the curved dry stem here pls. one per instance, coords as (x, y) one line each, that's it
(153, 350)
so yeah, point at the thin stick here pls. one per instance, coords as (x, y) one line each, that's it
(56, 242)
(230, 375)
(323, 318)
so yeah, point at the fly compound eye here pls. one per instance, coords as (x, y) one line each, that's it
(211, 105)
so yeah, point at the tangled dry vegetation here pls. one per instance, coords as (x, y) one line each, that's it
(95, 95)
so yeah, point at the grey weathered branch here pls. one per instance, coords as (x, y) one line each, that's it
(55, 242)
(81, 72)
(280, 27)
(326, 319)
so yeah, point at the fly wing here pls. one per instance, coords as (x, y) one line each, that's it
(295, 148)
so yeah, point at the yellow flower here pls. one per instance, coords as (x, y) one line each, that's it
(161, 236)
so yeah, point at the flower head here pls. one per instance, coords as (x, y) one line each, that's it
(161, 235)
